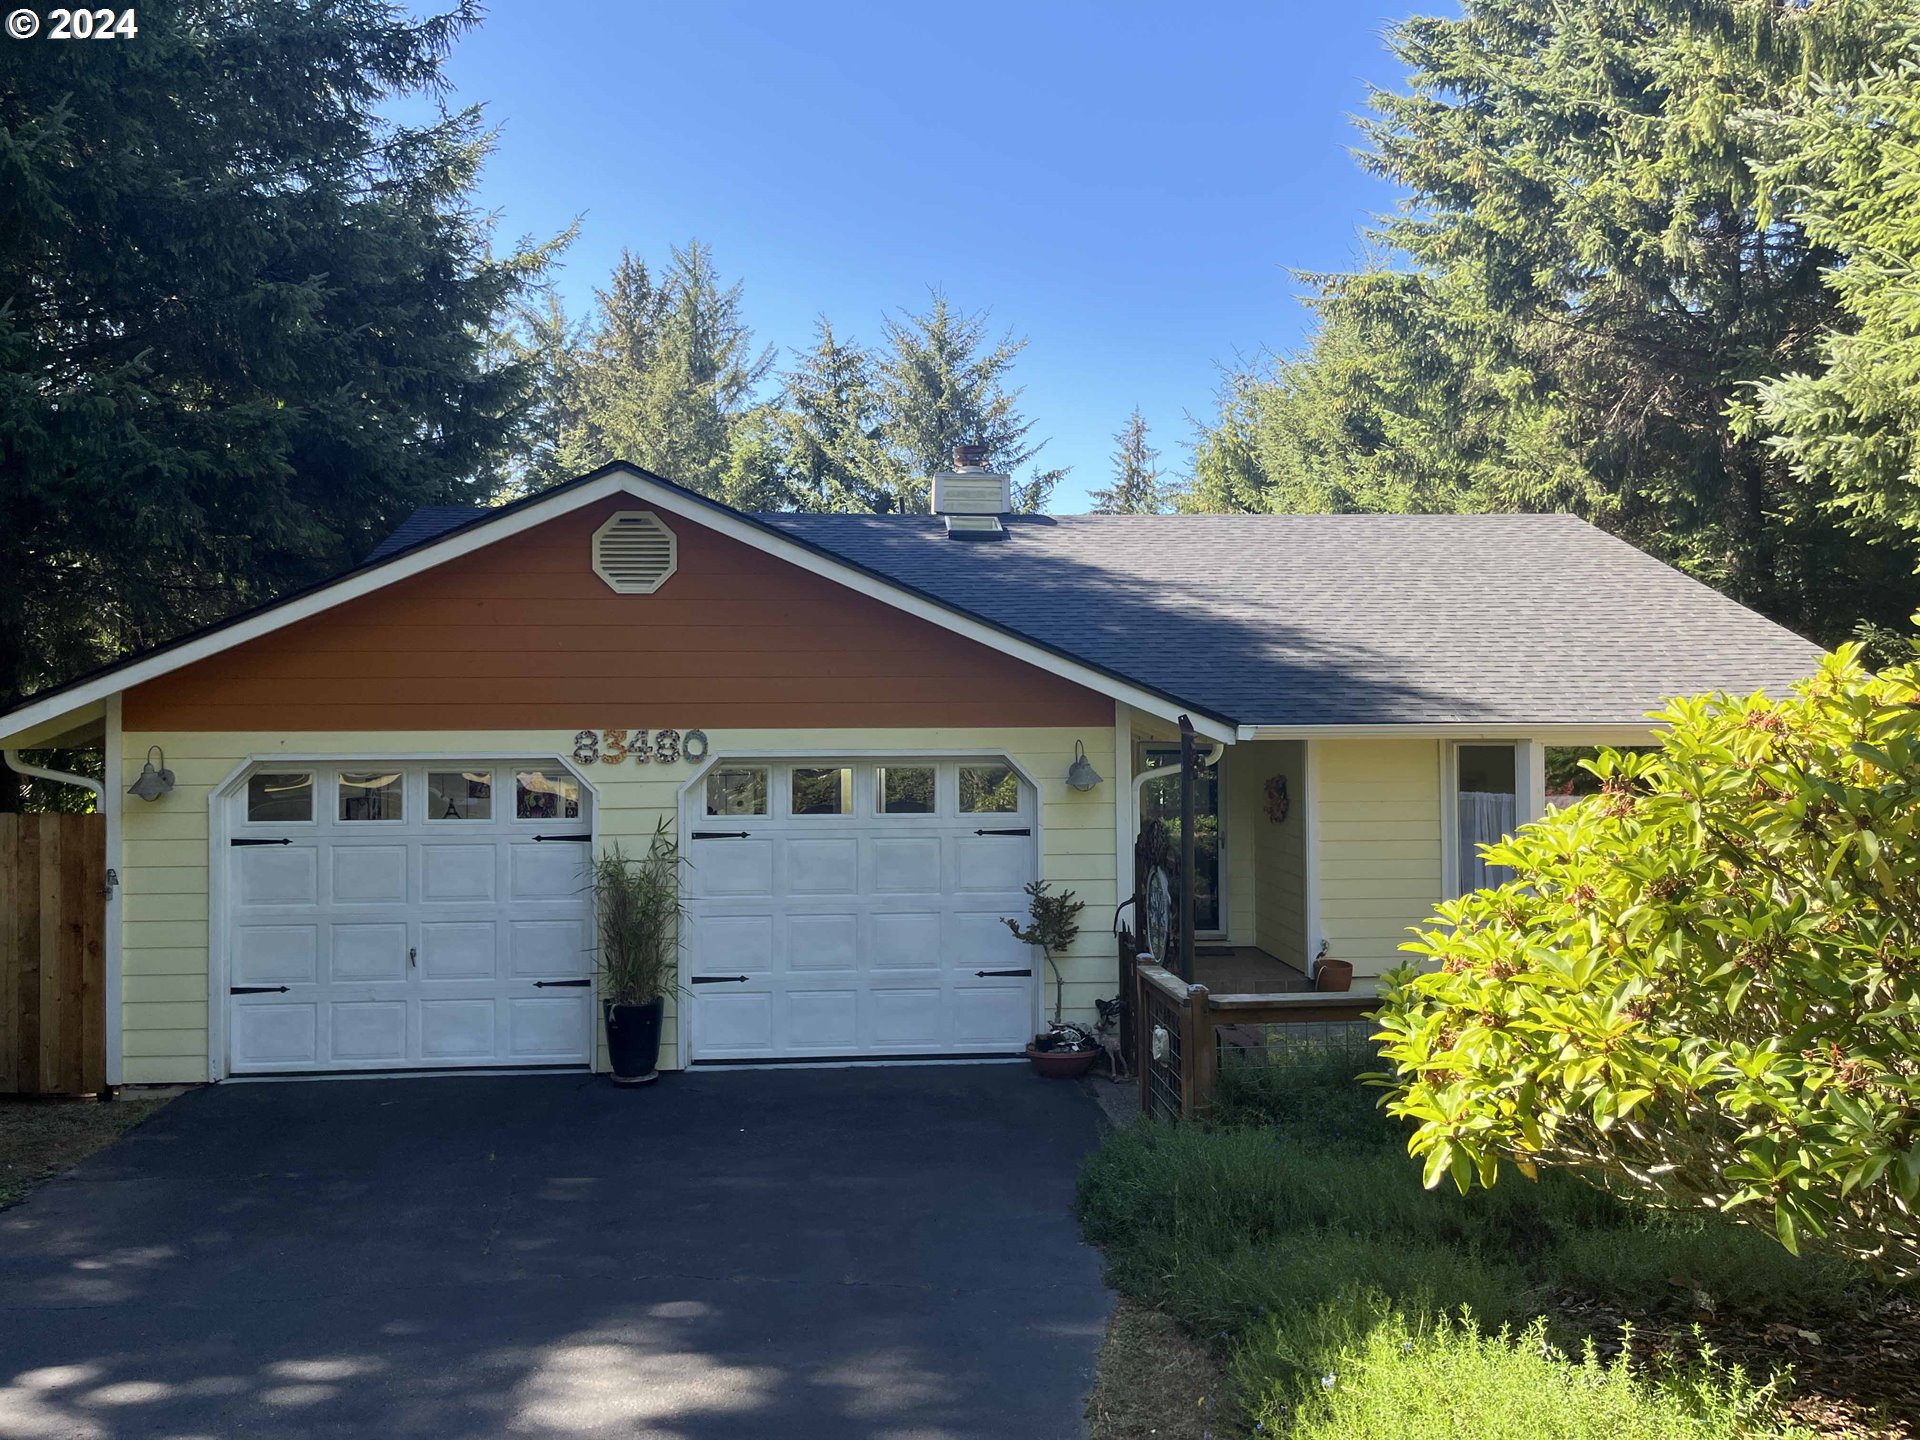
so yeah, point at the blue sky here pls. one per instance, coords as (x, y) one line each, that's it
(1128, 185)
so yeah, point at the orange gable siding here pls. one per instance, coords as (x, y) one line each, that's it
(523, 635)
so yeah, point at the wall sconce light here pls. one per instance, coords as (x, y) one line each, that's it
(1081, 775)
(152, 783)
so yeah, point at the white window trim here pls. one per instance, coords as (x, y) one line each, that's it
(220, 831)
(1529, 800)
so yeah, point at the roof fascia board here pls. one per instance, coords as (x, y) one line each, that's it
(1610, 733)
(611, 481)
(71, 726)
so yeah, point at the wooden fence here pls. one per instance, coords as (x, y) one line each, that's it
(1182, 1030)
(53, 1018)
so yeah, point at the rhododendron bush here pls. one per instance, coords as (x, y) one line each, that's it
(1702, 985)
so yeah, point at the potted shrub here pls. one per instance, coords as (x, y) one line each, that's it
(637, 899)
(1053, 923)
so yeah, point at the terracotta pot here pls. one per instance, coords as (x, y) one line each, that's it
(1062, 1064)
(1333, 975)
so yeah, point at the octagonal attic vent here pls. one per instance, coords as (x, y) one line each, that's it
(634, 553)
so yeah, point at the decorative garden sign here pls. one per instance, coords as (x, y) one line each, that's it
(642, 747)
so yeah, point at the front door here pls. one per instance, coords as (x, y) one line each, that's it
(1160, 800)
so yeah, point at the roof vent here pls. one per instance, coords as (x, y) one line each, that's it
(634, 553)
(972, 497)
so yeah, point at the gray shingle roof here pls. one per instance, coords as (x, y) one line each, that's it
(1346, 619)
(423, 524)
(1331, 619)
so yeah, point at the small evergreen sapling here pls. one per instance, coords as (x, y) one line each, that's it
(1053, 924)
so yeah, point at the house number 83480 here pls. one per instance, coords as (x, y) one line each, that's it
(642, 747)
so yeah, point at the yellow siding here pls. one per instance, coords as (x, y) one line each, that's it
(1379, 845)
(1279, 850)
(165, 877)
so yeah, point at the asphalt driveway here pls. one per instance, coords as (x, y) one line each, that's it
(786, 1253)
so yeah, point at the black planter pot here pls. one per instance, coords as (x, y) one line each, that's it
(633, 1041)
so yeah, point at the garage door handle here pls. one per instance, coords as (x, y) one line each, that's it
(238, 841)
(1022, 831)
(982, 974)
(582, 838)
(721, 834)
(256, 989)
(544, 984)
(718, 979)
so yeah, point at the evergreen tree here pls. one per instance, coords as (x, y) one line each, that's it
(829, 431)
(247, 318)
(1592, 280)
(1847, 163)
(663, 375)
(943, 381)
(1137, 488)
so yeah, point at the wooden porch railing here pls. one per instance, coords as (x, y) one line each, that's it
(1178, 1032)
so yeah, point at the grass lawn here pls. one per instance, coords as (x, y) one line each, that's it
(41, 1138)
(1293, 1240)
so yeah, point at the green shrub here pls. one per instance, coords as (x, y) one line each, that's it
(1316, 1095)
(1282, 1243)
(1390, 1381)
(1700, 985)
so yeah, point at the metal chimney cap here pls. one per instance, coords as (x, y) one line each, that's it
(969, 457)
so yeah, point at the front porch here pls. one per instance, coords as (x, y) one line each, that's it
(1245, 970)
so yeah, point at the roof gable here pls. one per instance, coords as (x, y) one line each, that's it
(526, 634)
(496, 525)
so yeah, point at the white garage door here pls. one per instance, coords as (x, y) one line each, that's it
(426, 916)
(858, 908)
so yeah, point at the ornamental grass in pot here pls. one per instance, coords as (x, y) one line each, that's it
(638, 907)
(1063, 1051)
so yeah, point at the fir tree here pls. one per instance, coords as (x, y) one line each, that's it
(944, 381)
(1137, 488)
(247, 320)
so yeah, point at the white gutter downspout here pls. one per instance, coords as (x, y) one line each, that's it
(21, 767)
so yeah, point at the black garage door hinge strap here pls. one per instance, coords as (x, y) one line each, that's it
(582, 839)
(982, 974)
(247, 840)
(546, 984)
(721, 834)
(256, 989)
(718, 979)
(1022, 831)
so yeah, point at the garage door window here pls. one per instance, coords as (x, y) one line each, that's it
(280, 798)
(988, 790)
(905, 789)
(370, 795)
(740, 790)
(460, 795)
(822, 791)
(545, 795)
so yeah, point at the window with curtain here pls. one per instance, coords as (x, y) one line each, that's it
(1486, 805)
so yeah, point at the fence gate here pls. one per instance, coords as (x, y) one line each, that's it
(53, 926)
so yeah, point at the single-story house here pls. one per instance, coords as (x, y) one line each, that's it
(861, 729)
